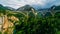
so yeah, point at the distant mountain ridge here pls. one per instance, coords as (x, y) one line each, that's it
(10, 8)
(25, 8)
(6, 8)
(1, 7)
(55, 7)
(28, 8)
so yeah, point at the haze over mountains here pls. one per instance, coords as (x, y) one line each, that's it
(28, 8)
(6, 7)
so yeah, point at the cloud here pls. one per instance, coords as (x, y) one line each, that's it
(19, 3)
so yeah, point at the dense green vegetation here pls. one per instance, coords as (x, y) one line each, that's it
(35, 23)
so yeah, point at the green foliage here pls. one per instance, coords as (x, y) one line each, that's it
(32, 23)
(0, 32)
(2, 9)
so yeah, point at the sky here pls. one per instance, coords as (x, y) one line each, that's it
(34, 3)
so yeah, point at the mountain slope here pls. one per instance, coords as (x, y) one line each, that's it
(2, 9)
(9, 8)
(55, 7)
(25, 8)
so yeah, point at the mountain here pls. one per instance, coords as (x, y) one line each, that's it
(6, 8)
(44, 9)
(55, 7)
(25, 8)
(2, 7)
(36, 6)
(10, 8)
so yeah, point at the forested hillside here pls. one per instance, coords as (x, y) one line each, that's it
(32, 22)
